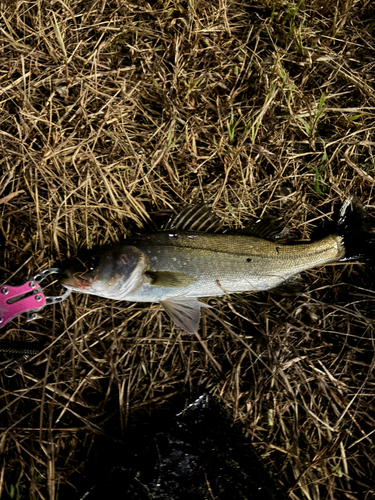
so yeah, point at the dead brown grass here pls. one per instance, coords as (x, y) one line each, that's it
(113, 112)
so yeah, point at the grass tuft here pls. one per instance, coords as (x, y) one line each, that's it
(115, 114)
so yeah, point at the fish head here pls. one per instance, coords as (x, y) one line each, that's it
(112, 273)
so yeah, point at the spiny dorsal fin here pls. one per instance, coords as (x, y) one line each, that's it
(199, 217)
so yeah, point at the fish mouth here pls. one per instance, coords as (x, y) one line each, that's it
(77, 280)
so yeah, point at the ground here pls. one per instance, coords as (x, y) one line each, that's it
(118, 113)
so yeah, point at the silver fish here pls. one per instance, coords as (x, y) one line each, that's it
(189, 260)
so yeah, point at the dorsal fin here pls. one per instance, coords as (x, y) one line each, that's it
(267, 228)
(199, 217)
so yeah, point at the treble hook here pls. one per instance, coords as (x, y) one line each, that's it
(27, 349)
(9, 370)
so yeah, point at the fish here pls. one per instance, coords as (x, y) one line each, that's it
(193, 257)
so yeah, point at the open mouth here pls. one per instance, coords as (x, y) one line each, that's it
(77, 280)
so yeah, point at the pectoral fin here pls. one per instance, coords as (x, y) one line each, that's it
(184, 311)
(169, 279)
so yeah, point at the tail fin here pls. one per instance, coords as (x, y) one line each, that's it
(354, 227)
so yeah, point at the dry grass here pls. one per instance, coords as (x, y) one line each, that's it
(116, 111)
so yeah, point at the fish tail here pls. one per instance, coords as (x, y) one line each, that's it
(354, 227)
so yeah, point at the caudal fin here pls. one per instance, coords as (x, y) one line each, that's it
(355, 228)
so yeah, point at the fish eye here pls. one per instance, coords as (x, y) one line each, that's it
(89, 263)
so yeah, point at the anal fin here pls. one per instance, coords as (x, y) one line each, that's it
(290, 287)
(184, 311)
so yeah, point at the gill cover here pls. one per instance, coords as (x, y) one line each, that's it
(117, 273)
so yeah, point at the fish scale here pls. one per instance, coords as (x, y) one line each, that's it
(234, 263)
(176, 266)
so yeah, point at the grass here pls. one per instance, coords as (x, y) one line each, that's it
(117, 113)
